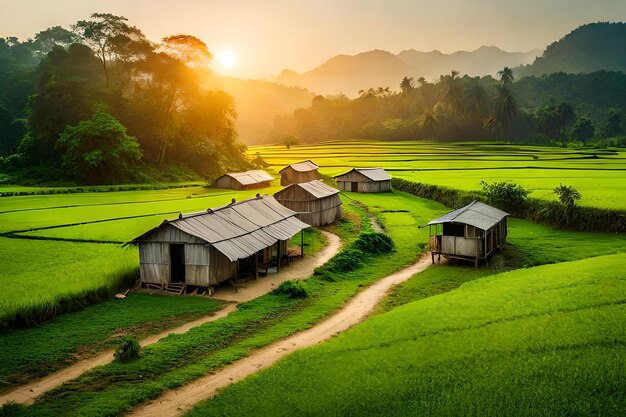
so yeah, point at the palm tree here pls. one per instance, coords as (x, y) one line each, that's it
(429, 126)
(474, 98)
(407, 85)
(506, 77)
(503, 112)
(451, 90)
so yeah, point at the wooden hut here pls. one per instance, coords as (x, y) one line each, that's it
(244, 180)
(317, 204)
(206, 248)
(300, 172)
(365, 180)
(473, 232)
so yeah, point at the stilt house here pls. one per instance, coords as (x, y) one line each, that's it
(244, 180)
(365, 180)
(473, 232)
(317, 204)
(300, 172)
(204, 249)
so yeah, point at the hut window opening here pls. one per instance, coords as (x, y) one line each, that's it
(454, 229)
(177, 259)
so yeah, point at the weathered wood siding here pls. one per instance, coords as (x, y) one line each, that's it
(197, 264)
(204, 265)
(290, 176)
(455, 245)
(154, 266)
(363, 184)
(314, 211)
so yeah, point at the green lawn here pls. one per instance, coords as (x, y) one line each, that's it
(597, 174)
(34, 352)
(547, 340)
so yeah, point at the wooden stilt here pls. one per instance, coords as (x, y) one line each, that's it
(302, 243)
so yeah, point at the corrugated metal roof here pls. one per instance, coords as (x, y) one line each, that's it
(374, 174)
(303, 166)
(249, 177)
(475, 214)
(240, 230)
(316, 188)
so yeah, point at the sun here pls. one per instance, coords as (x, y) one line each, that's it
(226, 58)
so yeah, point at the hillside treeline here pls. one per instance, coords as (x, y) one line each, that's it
(101, 103)
(558, 108)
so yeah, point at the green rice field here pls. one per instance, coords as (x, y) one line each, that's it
(541, 341)
(597, 173)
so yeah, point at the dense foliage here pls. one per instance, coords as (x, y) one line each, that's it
(557, 108)
(162, 94)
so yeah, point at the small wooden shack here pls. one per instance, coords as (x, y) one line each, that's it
(300, 172)
(317, 204)
(473, 232)
(204, 249)
(244, 180)
(365, 180)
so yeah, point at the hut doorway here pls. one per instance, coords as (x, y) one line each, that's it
(354, 187)
(177, 266)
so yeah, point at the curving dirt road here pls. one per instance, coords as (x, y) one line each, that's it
(303, 268)
(181, 400)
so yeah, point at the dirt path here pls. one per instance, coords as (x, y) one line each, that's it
(303, 268)
(179, 401)
(300, 269)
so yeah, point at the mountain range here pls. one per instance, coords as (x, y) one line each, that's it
(348, 74)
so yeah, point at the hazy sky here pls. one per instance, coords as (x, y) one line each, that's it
(269, 35)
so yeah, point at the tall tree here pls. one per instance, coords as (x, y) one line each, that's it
(105, 33)
(407, 85)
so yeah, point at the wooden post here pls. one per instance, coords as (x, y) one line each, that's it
(278, 256)
(302, 243)
(477, 249)
(256, 266)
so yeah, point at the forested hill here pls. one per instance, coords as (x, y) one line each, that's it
(589, 48)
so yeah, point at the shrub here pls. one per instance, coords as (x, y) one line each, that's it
(374, 243)
(292, 288)
(128, 349)
(505, 194)
(347, 260)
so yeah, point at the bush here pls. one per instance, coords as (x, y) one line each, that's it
(128, 349)
(505, 194)
(376, 243)
(292, 288)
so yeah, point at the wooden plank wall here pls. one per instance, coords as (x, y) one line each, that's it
(290, 176)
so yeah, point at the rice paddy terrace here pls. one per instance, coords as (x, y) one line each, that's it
(487, 341)
(597, 173)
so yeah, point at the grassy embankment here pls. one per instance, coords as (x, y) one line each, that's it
(547, 340)
(596, 173)
(38, 351)
(179, 359)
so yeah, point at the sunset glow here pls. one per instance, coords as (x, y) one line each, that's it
(226, 58)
